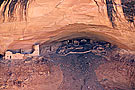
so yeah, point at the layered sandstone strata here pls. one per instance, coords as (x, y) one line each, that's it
(29, 21)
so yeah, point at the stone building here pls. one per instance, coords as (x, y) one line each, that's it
(36, 50)
(10, 54)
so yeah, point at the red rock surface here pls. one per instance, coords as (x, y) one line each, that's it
(47, 20)
(29, 75)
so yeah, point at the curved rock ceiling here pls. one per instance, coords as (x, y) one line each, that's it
(25, 22)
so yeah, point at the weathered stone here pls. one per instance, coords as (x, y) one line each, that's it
(61, 18)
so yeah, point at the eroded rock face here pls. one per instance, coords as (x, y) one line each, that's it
(30, 74)
(68, 62)
(73, 64)
(88, 64)
(113, 75)
(24, 22)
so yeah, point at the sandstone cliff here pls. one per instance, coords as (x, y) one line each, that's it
(25, 22)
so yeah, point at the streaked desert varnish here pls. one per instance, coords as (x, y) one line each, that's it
(54, 20)
(50, 18)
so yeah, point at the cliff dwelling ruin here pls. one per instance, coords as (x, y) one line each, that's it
(82, 44)
(10, 54)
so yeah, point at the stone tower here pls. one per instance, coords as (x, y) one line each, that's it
(8, 55)
(36, 50)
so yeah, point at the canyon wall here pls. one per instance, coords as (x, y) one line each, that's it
(25, 22)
